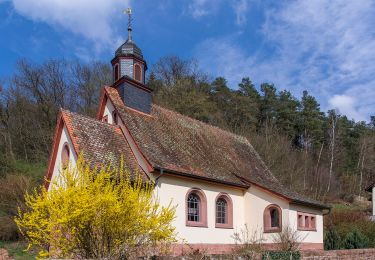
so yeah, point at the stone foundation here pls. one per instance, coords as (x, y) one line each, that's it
(226, 249)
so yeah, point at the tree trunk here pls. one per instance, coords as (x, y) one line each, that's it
(332, 146)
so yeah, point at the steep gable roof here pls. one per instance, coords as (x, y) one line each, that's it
(99, 142)
(180, 144)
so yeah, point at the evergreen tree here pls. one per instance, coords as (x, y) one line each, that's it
(287, 113)
(268, 104)
(311, 121)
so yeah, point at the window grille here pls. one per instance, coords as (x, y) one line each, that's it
(221, 211)
(193, 207)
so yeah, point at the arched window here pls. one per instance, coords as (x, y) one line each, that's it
(137, 72)
(116, 72)
(272, 219)
(194, 204)
(221, 211)
(65, 154)
(224, 211)
(114, 117)
(196, 208)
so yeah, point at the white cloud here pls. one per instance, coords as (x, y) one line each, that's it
(326, 47)
(240, 8)
(91, 19)
(346, 105)
(200, 8)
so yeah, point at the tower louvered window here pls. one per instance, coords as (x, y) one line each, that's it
(137, 72)
(116, 72)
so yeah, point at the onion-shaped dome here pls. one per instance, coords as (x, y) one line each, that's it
(129, 48)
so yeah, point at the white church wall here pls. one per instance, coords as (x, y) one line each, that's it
(256, 200)
(307, 236)
(72, 155)
(108, 109)
(175, 189)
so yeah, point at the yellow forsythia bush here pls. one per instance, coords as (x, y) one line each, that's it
(91, 213)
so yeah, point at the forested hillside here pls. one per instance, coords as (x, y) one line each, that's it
(321, 153)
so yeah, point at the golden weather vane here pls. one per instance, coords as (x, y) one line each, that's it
(128, 11)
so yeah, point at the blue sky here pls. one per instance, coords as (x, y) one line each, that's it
(324, 46)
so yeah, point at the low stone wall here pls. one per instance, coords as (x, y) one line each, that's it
(355, 254)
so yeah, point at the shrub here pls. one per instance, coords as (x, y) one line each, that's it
(288, 239)
(89, 213)
(8, 229)
(355, 239)
(249, 243)
(332, 239)
(12, 191)
(347, 219)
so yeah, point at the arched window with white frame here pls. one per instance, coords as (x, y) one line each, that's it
(196, 208)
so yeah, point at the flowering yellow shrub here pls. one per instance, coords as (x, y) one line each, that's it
(90, 213)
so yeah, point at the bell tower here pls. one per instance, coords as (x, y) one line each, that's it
(129, 69)
(128, 60)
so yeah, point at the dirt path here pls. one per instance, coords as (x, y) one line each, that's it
(4, 254)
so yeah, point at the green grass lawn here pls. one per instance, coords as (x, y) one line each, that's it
(17, 250)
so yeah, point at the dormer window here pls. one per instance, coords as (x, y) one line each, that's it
(137, 72)
(116, 72)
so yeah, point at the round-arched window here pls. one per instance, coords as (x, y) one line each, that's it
(221, 211)
(65, 154)
(272, 218)
(224, 211)
(137, 72)
(196, 208)
(194, 205)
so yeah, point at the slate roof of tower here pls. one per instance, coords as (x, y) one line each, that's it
(178, 143)
(100, 142)
(129, 48)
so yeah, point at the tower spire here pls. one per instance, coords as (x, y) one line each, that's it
(130, 19)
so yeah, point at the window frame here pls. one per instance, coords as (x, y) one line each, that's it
(202, 209)
(301, 225)
(267, 222)
(229, 213)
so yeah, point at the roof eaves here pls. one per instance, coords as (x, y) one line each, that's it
(194, 176)
(311, 204)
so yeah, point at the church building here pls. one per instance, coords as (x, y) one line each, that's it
(216, 179)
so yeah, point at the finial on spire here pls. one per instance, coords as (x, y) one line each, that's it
(129, 13)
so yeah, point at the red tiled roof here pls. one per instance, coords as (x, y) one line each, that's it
(178, 143)
(100, 143)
